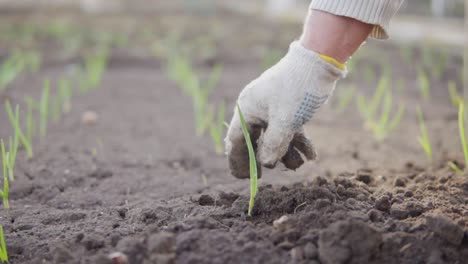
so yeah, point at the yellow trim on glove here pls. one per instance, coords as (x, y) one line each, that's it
(332, 61)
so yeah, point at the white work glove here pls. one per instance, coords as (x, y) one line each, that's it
(276, 106)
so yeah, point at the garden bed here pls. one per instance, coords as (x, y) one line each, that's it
(141, 182)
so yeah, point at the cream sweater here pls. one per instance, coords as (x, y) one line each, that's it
(375, 12)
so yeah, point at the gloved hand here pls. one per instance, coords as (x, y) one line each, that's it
(276, 106)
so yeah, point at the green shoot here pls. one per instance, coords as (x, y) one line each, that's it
(461, 126)
(217, 129)
(3, 248)
(181, 71)
(94, 67)
(44, 109)
(252, 162)
(9, 70)
(14, 120)
(378, 121)
(13, 149)
(6, 167)
(423, 138)
(16, 62)
(424, 84)
(345, 98)
(368, 108)
(455, 97)
(455, 168)
(382, 127)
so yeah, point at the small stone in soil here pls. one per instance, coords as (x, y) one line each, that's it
(280, 222)
(118, 258)
(89, 118)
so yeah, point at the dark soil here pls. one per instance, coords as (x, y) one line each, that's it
(134, 183)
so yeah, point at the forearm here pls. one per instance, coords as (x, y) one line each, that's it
(337, 28)
(335, 36)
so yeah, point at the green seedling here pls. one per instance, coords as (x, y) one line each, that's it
(217, 129)
(455, 97)
(44, 109)
(6, 168)
(181, 71)
(94, 68)
(377, 120)
(424, 84)
(3, 248)
(252, 162)
(9, 70)
(383, 126)
(345, 98)
(17, 62)
(368, 108)
(461, 126)
(455, 168)
(12, 151)
(19, 135)
(423, 138)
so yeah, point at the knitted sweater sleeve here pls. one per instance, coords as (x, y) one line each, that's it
(375, 12)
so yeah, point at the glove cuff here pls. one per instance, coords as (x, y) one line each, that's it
(309, 60)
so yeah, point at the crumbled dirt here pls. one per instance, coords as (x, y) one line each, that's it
(139, 184)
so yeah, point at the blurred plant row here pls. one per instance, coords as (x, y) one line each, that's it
(36, 114)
